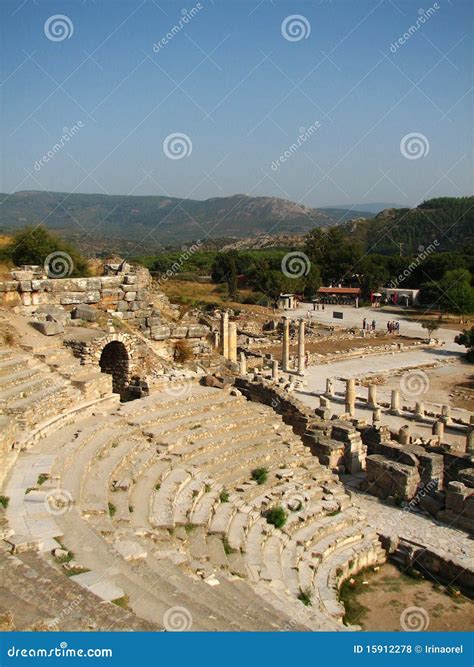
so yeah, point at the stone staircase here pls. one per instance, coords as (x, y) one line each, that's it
(159, 508)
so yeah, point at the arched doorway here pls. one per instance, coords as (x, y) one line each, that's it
(114, 359)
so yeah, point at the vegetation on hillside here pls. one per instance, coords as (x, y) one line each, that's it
(33, 245)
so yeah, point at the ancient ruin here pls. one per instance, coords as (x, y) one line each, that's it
(155, 458)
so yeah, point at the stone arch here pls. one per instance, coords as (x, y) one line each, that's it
(121, 356)
(114, 359)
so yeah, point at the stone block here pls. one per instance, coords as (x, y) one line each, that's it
(160, 333)
(71, 298)
(25, 286)
(198, 331)
(179, 332)
(110, 281)
(122, 306)
(85, 312)
(130, 279)
(130, 296)
(49, 328)
(91, 297)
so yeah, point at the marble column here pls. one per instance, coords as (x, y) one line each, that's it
(275, 373)
(225, 334)
(243, 364)
(419, 411)
(329, 387)
(376, 415)
(301, 353)
(232, 342)
(350, 397)
(372, 396)
(216, 340)
(438, 430)
(446, 414)
(470, 437)
(285, 357)
(404, 435)
(395, 402)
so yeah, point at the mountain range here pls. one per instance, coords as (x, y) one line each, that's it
(163, 220)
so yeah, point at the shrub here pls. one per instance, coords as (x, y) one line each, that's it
(224, 496)
(260, 475)
(112, 509)
(276, 516)
(182, 351)
(32, 245)
(4, 500)
(304, 596)
(42, 479)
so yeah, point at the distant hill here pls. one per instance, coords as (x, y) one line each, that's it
(447, 220)
(162, 220)
(362, 210)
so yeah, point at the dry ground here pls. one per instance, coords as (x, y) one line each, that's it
(377, 605)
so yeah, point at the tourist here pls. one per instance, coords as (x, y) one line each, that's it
(373, 325)
(364, 322)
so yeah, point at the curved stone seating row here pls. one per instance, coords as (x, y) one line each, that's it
(165, 511)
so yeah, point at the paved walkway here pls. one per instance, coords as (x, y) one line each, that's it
(412, 526)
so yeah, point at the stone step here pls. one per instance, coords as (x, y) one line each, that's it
(162, 501)
(14, 365)
(29, 374)
(39, 401)
(26, 388)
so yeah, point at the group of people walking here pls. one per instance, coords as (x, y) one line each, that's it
(393, 327)
(368, 326)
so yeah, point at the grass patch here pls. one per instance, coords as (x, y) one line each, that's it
(64, 559)
(189, 527)
(157, 487)
(76, 570)
(260, 475)
(112, 509)
(227, 548)
(30, 488)
(305, 596)
(276, 516)
(355, 611)
(207, 488)
(4, 500)
(195, 427)
(42, 479)
(121, 602)
(224, 496)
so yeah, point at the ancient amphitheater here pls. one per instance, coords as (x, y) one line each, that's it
(163, 504)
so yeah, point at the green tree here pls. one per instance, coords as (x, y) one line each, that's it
(457, 295)
(466, 338)
(33, 245)
(431, 326)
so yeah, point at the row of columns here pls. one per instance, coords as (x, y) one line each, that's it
(285, 355)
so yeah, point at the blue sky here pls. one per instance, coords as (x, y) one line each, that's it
(242, 93)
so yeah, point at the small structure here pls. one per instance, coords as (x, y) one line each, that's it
(287, 302)
(340, 295)
(400, 297)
